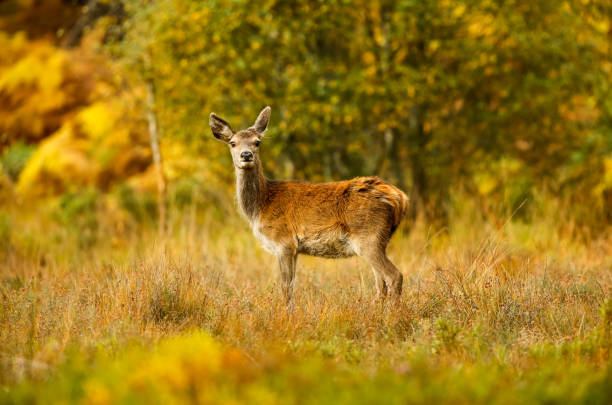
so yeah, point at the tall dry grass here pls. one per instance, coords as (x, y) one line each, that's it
(472, 293)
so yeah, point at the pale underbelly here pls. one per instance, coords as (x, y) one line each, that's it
(335, 246)
(323, 244)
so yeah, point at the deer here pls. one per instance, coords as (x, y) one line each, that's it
(331, 220)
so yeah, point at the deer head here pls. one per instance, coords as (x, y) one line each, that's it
(244, 145)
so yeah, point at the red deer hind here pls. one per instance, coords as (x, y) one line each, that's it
(338, 219)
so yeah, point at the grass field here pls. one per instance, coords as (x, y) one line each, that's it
(95, 308)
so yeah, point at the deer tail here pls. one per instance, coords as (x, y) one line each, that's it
(383, 191)
(398, 200)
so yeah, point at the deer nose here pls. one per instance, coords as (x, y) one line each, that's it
(247, 156)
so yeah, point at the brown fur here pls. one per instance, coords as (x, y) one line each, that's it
(339, 219)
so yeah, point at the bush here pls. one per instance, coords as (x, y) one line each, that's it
(14, 159)
(78, 213)
(142, 207)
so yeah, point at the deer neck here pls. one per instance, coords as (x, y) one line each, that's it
(251, 190)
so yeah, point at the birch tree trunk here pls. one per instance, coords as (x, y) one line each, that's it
(157, 159)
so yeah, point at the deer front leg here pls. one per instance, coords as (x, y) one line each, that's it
(287, 260)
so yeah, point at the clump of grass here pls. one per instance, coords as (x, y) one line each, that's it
(177, 298)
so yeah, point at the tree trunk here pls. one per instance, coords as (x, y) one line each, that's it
(418, 153)
(393, 140)
(94, 10)
(430, 190)
(157, 159)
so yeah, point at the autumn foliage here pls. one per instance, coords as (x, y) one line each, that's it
(497, 100)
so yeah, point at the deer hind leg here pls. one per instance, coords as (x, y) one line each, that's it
(287, 260)
(395, 277)
(381, 285)
(385, 272)
(392, 277)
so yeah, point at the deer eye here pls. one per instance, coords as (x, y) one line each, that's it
(257, 143)
(232, 144)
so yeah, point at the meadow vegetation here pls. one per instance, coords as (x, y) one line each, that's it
(97, 309)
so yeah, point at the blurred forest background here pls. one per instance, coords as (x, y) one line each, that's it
(505, 103)
(127, 276)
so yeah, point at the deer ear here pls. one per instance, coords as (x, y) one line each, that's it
(220, 128)
(261, 123)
